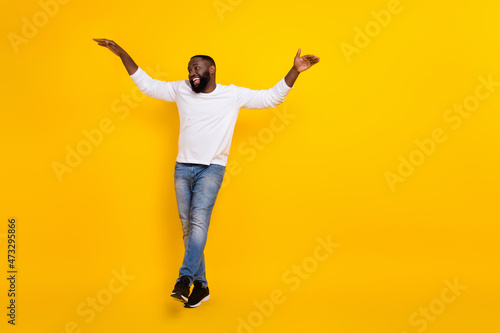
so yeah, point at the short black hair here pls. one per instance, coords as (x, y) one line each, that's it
(205, 57)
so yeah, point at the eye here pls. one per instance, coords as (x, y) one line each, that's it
(197, 67)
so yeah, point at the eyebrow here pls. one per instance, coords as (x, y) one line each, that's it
(196, 63)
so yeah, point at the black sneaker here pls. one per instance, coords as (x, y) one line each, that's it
(200, 294)
(181, 289)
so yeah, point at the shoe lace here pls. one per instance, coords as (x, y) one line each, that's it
(198, 291)
(183, 283)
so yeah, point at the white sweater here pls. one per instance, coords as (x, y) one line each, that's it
(207, 119)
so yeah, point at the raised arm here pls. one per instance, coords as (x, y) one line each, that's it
(260, 99)
(130, 65)
(300, 64)
(154, 88)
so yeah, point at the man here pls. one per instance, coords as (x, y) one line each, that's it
(207, 113)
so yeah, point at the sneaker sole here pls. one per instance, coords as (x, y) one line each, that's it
(179, 297)
(206, 298)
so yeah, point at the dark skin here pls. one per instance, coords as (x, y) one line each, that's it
(198, 66)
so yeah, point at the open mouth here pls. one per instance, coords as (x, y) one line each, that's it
(196, 80)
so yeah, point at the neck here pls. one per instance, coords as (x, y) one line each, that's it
(210, 87)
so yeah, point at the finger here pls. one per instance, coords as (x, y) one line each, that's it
(104, 42)
(298, 53)
(312, 58)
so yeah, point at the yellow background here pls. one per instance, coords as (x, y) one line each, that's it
(321, 175)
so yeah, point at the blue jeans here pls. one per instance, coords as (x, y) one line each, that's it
(196, 188)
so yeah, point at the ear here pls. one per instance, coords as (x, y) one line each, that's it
(212, 70)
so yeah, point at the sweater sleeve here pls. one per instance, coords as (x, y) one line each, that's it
(163, 90)
(262, 99)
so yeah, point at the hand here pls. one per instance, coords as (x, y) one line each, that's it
(305, 62)
(115, 48)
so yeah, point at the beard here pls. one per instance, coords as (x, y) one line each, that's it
(204, 79)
